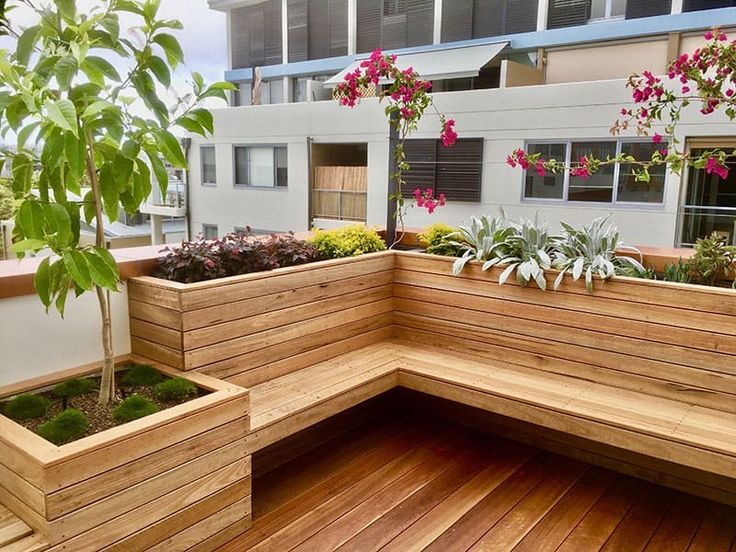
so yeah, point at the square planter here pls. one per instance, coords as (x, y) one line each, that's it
(140, 485)
(254, 327)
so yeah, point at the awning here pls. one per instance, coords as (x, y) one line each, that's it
(452, 63)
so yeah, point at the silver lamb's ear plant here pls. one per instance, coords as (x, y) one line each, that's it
(591, 250)
(480, 240)
(527, 251)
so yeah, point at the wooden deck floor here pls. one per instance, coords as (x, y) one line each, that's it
(408, 486)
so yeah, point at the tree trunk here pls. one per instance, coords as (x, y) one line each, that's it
(107, 382)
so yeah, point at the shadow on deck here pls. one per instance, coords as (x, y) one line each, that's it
(426, 483)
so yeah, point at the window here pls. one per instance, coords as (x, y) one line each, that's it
(391, 24)
(261, 166)
(697, 5)
(255, 35)
(209, 165)
(610, 184)
(209, 231)
(482, 18)
(455, 171)
(567, 13)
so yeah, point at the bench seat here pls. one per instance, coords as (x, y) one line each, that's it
(674, 431)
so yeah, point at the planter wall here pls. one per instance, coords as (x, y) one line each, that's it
(249, 329)
(669, 340)
(144, 485)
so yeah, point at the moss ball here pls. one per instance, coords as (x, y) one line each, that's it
(175, 389)
(26, 407)
(142, 375)
(132, 408)
(71, 424)
(74, 388)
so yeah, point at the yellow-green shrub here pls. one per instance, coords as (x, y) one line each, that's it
(347, 241)
(435, 240)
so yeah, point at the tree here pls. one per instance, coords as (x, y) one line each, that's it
(407, 98)
(707, 78)
(62, 91)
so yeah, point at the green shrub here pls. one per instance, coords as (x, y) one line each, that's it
(437, 241)
(132, 408)
(71, 424)
(347, 241)
(142, 375)
(678, 272)
(74, 388)
(714, 259)
(26, 407)
(175, 389)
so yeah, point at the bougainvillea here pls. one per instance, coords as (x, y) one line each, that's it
(408, 97)
(707, 78)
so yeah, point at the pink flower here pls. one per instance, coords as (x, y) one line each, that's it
(582, 170)
(448, 134)
(663, 152)
(540, 167)
(708, 35)
(426, 200)
(657, 138)
(685, 89)
(712, 165)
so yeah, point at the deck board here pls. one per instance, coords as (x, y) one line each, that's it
(432, 485)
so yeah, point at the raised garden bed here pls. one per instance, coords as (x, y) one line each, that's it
(138, 484)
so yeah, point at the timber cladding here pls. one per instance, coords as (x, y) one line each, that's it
(251, 328)
(138, 486)
(669, 340)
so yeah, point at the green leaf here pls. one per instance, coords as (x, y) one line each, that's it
(62, 114)
(171, 48)
(27, 245)
(204, 117)
(103, 66)
(22, 170)
(110, 193)
(129, 6)
(74, 151)
(41, 282)
(159, 68)
(111, 24)
(65, 71)
(26, 42)
(25, 133)
(191, 124)
(64, 282)
(100, 271)
(68, 9)
(97, 107)
(106, 256)
(159, 170)
(142, 181)
(89, 207)
(59, 223)
(130, 149)
(171, 149)
(122, 171)
(76, 264)
(30, 218)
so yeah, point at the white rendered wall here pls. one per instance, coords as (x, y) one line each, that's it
(505, 118)
(33, 343)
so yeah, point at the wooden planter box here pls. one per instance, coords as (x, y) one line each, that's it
(667, 339)
(254, 327)
(167, 481)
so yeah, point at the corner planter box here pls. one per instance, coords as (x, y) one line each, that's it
(254, 327)
(670, 340)
(143, 485)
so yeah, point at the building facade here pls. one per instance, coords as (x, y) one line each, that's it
(545, 75)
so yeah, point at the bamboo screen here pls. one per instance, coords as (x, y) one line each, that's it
(340, 193)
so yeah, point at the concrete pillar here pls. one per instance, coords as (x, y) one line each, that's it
(157, 230)
(437, 22)
(542, 12)
(352, 27)
(284, 31)
(676, 6)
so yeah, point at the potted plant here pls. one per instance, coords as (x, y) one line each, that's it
(90, 140)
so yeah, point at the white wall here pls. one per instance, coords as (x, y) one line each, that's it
(505, 118)
(33, 343)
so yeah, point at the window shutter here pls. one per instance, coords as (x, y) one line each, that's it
(647, 8)
(393, 31)
(369, 24)
(457, 20)
(697, 5)
(455, 171)
(521, 16)
(566, 13)
(338, 27)
(319, 29)
(272, 33)
(298, 30)
(459, 170)
(419, 22)
(240, 37)
(257, 40)
(488, 18)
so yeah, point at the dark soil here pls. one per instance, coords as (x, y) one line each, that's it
(99, 416)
